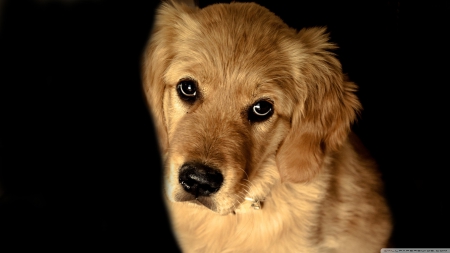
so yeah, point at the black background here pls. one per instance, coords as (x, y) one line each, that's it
(79, 166)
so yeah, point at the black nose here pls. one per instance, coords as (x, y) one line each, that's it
(199, 179)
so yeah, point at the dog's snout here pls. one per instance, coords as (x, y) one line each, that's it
(199, 179)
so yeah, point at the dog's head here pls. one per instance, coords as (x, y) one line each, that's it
(241, 101)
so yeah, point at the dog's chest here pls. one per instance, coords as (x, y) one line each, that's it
(250, 231)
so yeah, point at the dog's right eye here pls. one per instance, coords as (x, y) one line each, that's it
(260, 111)
(187, 90)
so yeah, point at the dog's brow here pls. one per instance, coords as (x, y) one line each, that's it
(270, 80)
(258, 86)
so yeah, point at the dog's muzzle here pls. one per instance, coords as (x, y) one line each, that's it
(200, 180)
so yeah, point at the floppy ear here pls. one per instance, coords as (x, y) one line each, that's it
(156, 59)
(321, 122)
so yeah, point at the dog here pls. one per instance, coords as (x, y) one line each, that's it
(253, 120)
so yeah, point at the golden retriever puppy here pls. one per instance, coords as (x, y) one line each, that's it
(254, 120)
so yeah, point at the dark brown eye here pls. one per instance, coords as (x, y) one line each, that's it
(187, 90)
(260, 111)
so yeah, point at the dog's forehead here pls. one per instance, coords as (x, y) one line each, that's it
(239, 18)
(232, 46)
(238, 34)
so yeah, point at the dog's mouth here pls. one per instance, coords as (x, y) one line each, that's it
(201, 201)
(247, 205)
(211, 202)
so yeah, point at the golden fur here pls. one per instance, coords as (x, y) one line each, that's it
(318, 190)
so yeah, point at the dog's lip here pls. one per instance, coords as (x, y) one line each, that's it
(208, 203)
(195, 201)
(199, 203)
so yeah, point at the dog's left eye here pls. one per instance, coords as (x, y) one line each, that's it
(187, 90)
(260, 111)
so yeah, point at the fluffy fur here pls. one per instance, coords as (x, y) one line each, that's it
(317, 189)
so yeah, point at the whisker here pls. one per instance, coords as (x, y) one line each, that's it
(250, 182)
(246, 190)
(244, 172)
(241, 195)
(244, 185)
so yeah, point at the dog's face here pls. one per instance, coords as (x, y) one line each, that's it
(241, 101)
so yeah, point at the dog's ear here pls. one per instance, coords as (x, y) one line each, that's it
(156, 59)
(321, 121)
